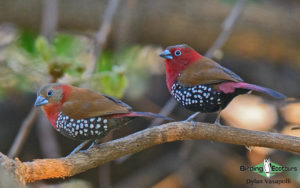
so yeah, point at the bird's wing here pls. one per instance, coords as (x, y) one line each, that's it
(84, 103)
(206, 71)
(121, 103)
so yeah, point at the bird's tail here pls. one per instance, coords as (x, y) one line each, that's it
(268, 91)
(148, 114)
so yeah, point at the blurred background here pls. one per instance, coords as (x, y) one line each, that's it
(112, 46)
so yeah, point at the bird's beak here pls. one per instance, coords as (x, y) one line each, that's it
(40, 101)
(166, 54)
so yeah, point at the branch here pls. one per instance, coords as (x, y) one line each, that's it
(102, 35)
(49, 18)
(23, 133)
(227, 28)
(63, 167)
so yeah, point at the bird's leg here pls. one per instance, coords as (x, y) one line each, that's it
(191, 118)
(97, 141)
(79, 147)
(93, 143)
(217, 122)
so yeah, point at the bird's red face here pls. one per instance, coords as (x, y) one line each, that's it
(51, 97)
(178, 58)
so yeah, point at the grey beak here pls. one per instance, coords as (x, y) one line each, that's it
(40, 101)
(166, 54)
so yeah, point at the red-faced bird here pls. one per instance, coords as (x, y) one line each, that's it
(82, 114)
(202, 85)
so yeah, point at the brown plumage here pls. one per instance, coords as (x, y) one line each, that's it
(202, 85)
(206, 71)
(84, 103)
(83, 114)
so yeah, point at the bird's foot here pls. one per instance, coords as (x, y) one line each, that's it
(97, 141)
(217, 122)
(191, 119)
(193, 116)
(78, 148)
(93, 143)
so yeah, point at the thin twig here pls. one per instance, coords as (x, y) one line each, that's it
(23, 133)
(227, 28)
(62, 167)
(128, 11)
(48, 27)
(102, 35)
(165, 111)
(49, 18)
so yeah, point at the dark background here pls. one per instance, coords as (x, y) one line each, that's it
(264, 49)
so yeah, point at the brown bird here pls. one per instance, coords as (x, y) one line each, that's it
(82, 114)
(202, 85)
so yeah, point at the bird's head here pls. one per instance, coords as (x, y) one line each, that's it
(178, 58)
(180, 55)
(51, 97)
(49, 94)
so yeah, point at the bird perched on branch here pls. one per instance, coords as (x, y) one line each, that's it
(82, 114)
(202, 85)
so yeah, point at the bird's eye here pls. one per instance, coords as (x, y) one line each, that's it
(49, 93)
(177, 52)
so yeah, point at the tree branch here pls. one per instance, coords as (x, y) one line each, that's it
(102, 35)
(23, 133)
(227, 28)
(50, 15)
(62, 167)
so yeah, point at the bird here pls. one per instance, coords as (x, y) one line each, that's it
(82, 114)
(202, 85)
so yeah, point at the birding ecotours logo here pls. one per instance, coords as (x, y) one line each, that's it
(267, 168)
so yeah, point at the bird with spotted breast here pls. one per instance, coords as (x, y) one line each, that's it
(82, 114)
(202, 85)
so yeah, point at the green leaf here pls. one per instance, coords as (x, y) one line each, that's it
(41, 44)
(106, 61)
(26, 40)
(43, 47)
(65, 45)
(113, 84)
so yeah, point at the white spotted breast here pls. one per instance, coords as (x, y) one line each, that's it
(202, 97)
(87, 128)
